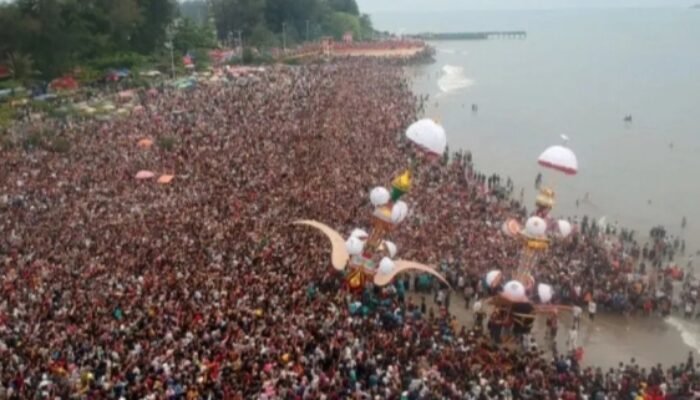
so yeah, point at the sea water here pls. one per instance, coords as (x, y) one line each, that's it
(579, 73)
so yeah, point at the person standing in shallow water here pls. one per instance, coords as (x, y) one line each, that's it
(538, 181)
(592, 307)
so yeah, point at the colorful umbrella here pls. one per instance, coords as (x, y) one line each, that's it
(165, 179)
(145, 143)
(145, 175)
(511, 227)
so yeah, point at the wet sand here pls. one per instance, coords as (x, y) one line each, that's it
(608, 340)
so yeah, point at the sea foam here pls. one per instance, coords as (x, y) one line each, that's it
(687, 330)
(453, 79)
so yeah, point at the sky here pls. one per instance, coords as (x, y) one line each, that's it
(373, 6)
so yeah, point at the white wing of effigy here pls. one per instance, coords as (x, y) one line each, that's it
(381, 279)
(339, 254)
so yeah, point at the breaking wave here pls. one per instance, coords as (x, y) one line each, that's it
(689, 332)
(452, 79)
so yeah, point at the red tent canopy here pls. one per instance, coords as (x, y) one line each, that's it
(4, 71)
(64, 83)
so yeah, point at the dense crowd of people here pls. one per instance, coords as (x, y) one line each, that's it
(201, 288)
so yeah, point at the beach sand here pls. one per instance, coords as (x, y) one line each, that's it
(607, 341)
(398, 53)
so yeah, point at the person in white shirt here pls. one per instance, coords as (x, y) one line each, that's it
(477, 308)
(572, 341)
(576, 311)
(592, 306)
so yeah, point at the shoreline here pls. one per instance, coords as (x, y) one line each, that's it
(673, 332)
(606, 341)
(217, 279)
(382, 53)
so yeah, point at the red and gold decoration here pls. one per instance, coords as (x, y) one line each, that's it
(369, 257)
(521, 296)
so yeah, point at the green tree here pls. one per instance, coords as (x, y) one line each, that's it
(346, 6)
(366, 29)
(338, 23)
(46, 37)
(124, 18)
(262, 37)
(12, 31)
(196, 10)
(21, 67)
(190, 36)
(297, 15)
(233, 15)
(150, 34)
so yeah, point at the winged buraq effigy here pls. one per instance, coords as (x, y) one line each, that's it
(368, 257)
(517, 296)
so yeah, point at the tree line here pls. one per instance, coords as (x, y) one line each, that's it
(47, 38)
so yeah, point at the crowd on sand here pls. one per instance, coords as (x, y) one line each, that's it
(200, 287)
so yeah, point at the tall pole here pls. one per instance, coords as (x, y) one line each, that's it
(284, 37)
(240, 40)
(172, 60)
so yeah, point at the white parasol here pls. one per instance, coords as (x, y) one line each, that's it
(493, 278)
(559, 158)
(535, 228)
(354, 246)
(427, 134)
(399, 212)
(390, 248)
(386, 266)
(379, 196)
(564, 228)
(545, 292)
(514, 291)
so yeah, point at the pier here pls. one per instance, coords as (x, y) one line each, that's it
(487, 35)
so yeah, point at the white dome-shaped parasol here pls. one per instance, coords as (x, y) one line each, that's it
(493, 278)
(399, 212)
(354, 246)
(535, 228)
(559, 158)
(359, 233)
(427, 134)
(564, 228)
(515, 292)
(511, 227)
(386, 266)
(390, 248)
(379, 196)
(545, 292)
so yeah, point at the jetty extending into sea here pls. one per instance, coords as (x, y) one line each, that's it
(470, 35)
